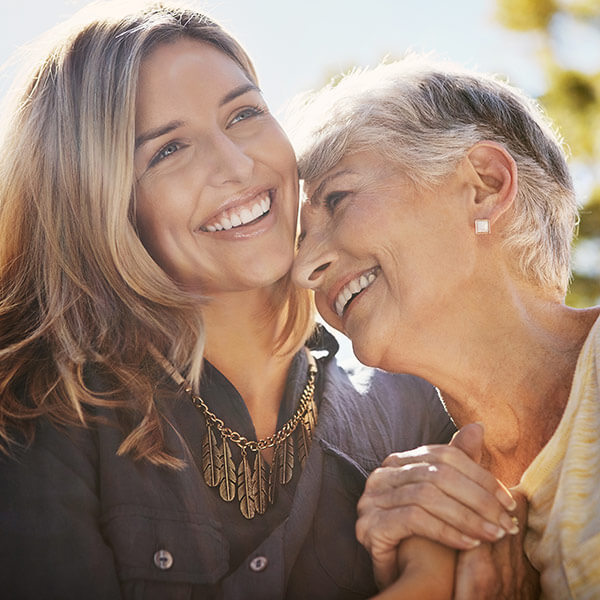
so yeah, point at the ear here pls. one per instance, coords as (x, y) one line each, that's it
(494, 177)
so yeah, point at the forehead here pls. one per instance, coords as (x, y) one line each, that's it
(361, 169)
(174, 70)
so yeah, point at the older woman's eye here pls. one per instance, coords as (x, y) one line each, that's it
(333, 199)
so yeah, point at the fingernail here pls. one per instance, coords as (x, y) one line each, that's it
(494, 530)
(506, 500)
(510, 524)
(471, 542)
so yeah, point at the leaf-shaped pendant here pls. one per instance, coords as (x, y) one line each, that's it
(308, 422)
(314, 411)
(260, 484)
(212, 459)
(273, 474)
(311, 415)
(286, 466)
(227, 487)
(245, 488)
(304, 438)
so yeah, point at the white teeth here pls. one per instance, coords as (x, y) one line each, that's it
(246, 216)
(257, 211)
(353, 287)
(240, 216)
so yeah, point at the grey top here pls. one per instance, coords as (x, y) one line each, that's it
(78, 521)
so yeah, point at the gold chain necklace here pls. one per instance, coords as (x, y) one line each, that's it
(255, 490)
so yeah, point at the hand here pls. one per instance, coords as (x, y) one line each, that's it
(438, 492)
(498, 571)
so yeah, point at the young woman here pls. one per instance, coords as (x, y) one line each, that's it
(166, 431)
(440, 213)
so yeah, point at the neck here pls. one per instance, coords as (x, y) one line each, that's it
(509, 367)
(240, 340)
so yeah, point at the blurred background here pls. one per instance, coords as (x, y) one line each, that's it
(550, 48)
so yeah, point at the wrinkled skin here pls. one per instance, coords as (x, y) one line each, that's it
(440, 492)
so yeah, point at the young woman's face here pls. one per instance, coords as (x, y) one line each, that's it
(385, 259)
(216, 191)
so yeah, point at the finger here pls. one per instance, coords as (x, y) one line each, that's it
(442, 491)
(469, 439)
(439, 505)
(457, 459)
(380, 532)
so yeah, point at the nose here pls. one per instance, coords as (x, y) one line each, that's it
(230, 162)
(314, 258)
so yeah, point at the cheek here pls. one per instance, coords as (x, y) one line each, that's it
(328, 315)
(277, 152)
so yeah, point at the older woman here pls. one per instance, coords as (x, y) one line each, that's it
(440, 211)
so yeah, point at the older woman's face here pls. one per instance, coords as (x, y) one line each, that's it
(216, 181)
(383, 257)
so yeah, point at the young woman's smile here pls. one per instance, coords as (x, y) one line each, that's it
(216, 193)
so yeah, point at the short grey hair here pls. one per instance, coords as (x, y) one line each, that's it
(424, 116)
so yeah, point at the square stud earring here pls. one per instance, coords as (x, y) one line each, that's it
(482, 226)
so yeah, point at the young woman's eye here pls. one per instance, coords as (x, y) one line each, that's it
(165, 152)
(246, 113)
(333, 199)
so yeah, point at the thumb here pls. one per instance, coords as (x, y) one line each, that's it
(469, 439)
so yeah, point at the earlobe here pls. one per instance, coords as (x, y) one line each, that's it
(494, 175)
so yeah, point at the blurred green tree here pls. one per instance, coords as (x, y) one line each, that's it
(572, 99)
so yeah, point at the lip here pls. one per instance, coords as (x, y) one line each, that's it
(250, 229)
(337, 289)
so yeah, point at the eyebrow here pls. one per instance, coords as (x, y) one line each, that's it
(155, 133)
(314, 198)
(164, 129)
(238, 91)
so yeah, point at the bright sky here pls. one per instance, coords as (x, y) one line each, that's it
(296, 45)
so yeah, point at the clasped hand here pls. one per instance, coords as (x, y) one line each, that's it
(441, 493)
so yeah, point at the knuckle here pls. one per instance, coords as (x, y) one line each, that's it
(445, 453)
(428, 492)
(374, 479)
(393, 460)
(413, 513)
(444, 474)
(364, 505)
(361, 532)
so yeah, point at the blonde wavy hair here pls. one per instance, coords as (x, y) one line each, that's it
(77, 287)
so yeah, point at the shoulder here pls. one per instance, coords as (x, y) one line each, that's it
(378, 412)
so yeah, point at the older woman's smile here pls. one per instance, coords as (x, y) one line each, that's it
(352, 289)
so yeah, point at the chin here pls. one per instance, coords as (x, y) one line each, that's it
(367, 353)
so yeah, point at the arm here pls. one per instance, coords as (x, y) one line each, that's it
(437, 492)
(426, 570)
(52, 546)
